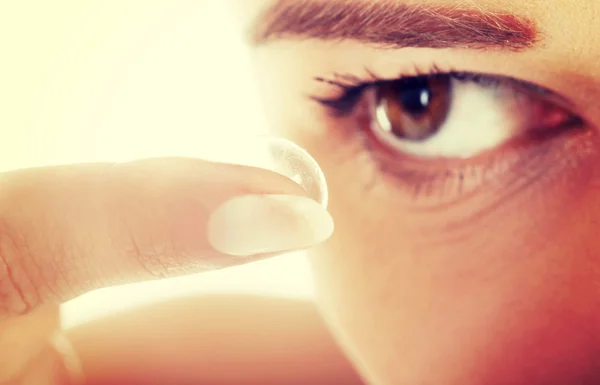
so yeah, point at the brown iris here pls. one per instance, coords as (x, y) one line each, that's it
(416, 107)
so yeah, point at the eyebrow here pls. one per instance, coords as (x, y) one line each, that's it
(393, 24)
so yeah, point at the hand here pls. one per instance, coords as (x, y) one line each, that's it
(70, 229)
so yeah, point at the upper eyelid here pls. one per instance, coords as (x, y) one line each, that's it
(349, 82)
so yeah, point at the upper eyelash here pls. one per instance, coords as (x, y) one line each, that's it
(348, 81)
(352, 86)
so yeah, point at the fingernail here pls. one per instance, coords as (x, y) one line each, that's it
(257, 224)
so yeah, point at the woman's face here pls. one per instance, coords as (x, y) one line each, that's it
(460, 143)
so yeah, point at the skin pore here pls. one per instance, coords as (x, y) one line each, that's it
(445, 269)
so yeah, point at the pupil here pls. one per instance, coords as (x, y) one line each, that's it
(415, 95)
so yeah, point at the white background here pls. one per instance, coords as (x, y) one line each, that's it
(112, 80)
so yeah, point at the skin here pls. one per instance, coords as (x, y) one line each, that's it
(498, 287)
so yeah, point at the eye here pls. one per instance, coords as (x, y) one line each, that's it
(442, 136)
(454, 115)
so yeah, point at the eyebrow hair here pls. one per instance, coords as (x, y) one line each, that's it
(393, 24)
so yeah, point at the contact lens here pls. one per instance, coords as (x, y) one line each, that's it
(272, 153)
(291, 160)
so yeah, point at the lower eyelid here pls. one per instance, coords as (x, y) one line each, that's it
(436, 184)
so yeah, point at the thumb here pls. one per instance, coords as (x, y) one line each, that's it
(69, 229)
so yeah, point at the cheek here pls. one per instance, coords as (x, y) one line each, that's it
(515, 286)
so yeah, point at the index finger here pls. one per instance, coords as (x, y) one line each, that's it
(69, 229)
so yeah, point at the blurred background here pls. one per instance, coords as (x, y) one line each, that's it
(113, 80)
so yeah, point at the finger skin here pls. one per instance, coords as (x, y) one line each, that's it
(69, 229)
(225, 340)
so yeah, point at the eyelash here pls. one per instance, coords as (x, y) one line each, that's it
(353, 87)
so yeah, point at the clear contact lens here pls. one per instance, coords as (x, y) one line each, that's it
(276, 154)
(293, 161)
